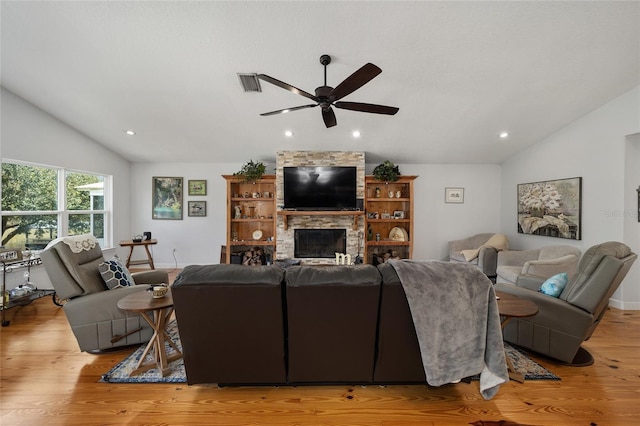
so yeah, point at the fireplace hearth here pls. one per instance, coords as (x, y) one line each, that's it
(319, 243)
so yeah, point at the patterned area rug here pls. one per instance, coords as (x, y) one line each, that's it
(120, 373)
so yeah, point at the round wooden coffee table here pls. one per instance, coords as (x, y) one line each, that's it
(511, 306)
(143, 302)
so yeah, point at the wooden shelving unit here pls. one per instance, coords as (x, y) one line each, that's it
(256, 224)
(388, 206)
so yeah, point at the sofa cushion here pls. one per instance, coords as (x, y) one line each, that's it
(554, 285)
(115, 274)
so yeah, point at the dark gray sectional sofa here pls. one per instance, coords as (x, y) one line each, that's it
(305, 325)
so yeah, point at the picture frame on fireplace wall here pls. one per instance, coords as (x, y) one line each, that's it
(454, 195)
(167, 198)
(197, 187)
(197, 208)
(551, 208)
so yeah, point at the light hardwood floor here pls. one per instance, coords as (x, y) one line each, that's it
(46, 380)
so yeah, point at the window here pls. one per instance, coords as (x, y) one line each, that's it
(41, 203)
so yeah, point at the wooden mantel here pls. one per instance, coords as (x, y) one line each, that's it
(286, 213)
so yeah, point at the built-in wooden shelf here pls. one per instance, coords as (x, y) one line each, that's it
(286, 213)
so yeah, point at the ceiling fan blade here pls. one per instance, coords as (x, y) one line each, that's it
(287, 86)
(329, 117)
(359, 106)
(282, 111)
(355, 81)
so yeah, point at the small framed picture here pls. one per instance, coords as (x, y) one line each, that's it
(454, 195)
(197, 208)
(398, 214)
(197, 187)
(373, 215)
(385, 216)
(7, 255)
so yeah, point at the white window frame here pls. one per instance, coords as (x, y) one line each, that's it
(62, 213)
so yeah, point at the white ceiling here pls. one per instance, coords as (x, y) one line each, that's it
(460, 72)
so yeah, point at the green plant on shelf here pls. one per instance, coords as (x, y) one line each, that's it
(386, 172)
(251, 171)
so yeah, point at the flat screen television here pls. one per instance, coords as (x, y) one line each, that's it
(320, 188)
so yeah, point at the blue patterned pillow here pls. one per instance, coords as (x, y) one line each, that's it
(554, 285)
(115, 274)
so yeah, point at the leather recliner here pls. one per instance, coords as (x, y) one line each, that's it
(332, 314)
(91, 308)
(231, 323)
(398, 358)
(564, 323)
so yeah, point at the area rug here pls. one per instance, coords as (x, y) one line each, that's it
(120, 373)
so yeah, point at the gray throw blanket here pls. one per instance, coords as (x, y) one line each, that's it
(455, 313)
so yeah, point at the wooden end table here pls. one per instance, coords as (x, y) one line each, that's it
(511, 306)
(132, 244)
(143, 302)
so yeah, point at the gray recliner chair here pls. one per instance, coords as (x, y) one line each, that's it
(90, 307)
(486, 258)
(563, 323)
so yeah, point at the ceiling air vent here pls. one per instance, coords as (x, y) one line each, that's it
(249, 82)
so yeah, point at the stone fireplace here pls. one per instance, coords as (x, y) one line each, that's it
(285, 238)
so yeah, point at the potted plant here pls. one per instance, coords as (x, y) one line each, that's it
(386, 172)
(251, 171)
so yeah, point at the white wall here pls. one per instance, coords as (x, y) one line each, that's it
(436, 222)
(594, 148)
(628, 296)
(197, 240)
(30, 134)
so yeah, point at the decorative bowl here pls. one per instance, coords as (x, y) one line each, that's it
(159, 291)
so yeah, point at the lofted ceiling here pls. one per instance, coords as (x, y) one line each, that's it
(460, 72)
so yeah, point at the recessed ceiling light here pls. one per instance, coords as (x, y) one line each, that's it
(288, 133)
(504, 135)
(130, 132)
(356, 133)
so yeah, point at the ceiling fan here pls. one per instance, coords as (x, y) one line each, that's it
(326, 96)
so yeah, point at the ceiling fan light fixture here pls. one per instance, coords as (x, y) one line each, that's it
(327, 97)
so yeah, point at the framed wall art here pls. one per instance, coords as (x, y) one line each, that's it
(167, 198)
(551, 208)
(454, 195)
(197, 208)
(197, 187)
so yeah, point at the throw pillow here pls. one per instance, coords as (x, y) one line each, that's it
(115, 274)
(554, 285)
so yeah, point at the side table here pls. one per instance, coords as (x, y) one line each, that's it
(143, 302)
(512, 306)
(132, 244)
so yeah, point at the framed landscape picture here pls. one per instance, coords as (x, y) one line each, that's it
(197, 208)
(454, 195)
(167, 198)
(197, 187)
(551, 208)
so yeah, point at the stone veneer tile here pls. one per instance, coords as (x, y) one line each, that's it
(284, 238)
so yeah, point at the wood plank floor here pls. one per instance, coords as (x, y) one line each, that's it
(46, 380)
